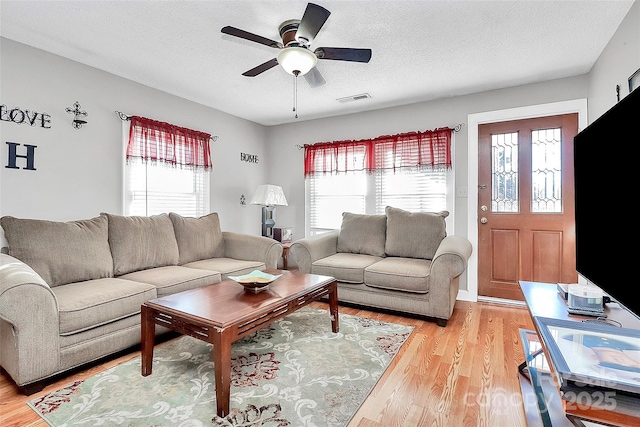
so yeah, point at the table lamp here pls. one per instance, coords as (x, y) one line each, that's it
(269, 196)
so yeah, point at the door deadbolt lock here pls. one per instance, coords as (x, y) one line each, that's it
(483, 208)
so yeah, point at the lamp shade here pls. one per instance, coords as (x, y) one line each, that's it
(297, 59)
(269, 195)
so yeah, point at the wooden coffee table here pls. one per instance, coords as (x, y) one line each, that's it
(224, 312)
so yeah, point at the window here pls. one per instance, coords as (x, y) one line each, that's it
(331, 195)
(408, 171)
(546, 170)
(504, 172)
(414, 192)
(167, 170)
(152, 189)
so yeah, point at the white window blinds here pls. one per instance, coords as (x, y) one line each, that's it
(152, 189)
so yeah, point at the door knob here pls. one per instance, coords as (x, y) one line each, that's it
(484, 220)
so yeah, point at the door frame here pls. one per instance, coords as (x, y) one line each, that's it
(551, 109)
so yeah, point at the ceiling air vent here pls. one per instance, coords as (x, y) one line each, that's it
(354, 98)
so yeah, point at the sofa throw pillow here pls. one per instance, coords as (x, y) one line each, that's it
(61, 252)
(198, 238)
(141, 242)
(362, 234)
(414, 235)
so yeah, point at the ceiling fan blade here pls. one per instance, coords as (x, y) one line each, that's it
(237, 32)
(261, 68)
(314, 78)
(343, 54)
(313, 19)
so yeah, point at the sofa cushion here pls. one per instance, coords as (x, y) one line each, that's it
(86, 305)
(173, 278)
(227, 266)
(61, 252)
(414, 235)
(198, 238)
(399, 274)
(345, 267)
(141, 242)
(362, 234)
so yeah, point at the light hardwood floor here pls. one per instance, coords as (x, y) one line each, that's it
(462, 375)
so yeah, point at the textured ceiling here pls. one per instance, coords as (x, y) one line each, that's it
(422, 49)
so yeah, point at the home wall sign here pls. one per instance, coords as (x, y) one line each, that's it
(20, 116)
(250, 158)
(13, 156)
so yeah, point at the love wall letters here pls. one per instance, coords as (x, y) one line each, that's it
(20, 116)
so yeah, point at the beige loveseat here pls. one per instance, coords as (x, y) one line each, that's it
(399, 261)
(70, 292)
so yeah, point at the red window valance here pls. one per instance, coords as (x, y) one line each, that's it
(154, 141)
(427, 150)
(338, 157)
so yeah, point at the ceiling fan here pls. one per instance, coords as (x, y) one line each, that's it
(295, 55)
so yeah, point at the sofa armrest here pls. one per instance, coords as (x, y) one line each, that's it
(252, 248)
(29, 325)
(310, 249)
(455, 245)
(449, 262)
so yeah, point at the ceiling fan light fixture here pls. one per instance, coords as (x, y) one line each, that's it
(297, 59)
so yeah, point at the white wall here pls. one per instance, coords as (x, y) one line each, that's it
(619, 60)
(79, 172)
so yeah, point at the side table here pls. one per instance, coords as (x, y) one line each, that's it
(285, 255)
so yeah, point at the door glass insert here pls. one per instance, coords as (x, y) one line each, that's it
(504, 172)
(546, 171)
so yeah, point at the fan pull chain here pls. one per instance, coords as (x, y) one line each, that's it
(295, 92)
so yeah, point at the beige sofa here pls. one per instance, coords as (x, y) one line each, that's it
(400, 261)
(70, 292)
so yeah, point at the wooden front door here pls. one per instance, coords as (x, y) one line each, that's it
(525, 204)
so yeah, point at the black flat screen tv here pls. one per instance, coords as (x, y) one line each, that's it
(606, 213)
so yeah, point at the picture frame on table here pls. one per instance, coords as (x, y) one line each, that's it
(283, 234)
(592, 354)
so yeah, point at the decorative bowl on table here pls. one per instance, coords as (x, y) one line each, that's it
(255, 281)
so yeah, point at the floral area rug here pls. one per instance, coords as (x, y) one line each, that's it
(295, 372)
